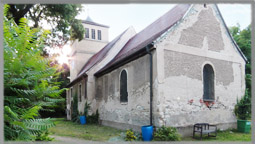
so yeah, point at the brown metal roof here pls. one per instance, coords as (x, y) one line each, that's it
(148, 35)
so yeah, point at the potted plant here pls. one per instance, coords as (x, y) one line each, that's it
(242, 111)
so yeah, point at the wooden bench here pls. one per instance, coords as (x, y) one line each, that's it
(204, 128)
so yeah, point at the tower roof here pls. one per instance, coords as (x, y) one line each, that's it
(89, 19)
(91, 22)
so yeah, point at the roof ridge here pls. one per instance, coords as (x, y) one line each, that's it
(94, 23)
(149, 34)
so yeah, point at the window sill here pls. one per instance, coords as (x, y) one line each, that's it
(208, 100)
(123, 103)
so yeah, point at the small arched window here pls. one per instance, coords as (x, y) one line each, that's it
(123, 86)
(208, 78)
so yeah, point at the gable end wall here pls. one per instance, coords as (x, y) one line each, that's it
(199, 39)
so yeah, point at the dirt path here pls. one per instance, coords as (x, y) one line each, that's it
(69, 140)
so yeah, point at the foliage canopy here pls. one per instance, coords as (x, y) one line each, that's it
(61, 17)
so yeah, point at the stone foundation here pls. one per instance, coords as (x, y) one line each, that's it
(186, 131)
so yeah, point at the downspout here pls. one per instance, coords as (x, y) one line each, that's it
(151, 84)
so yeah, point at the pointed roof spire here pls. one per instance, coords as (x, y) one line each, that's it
(89, 19)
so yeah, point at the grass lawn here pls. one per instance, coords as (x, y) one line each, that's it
(88, 131)
(104, 133)
(228, 135)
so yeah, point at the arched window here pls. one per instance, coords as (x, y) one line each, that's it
(123, 86)
(208, 78)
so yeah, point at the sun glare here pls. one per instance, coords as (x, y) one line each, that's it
(62, 59)
(63, 54)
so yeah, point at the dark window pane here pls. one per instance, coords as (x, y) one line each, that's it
(80, 92)
(208, 78)
(86, 33)
(99, 34)
(71, 94)
(123, 87)
(93, 33)
(85, 89)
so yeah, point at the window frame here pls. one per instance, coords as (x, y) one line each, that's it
(71, 94)
(120, 86)
(86, 32)
(99, 34)
(93, 34)
(67, 98)
(208, 81)
(85, 89)
(80, 92)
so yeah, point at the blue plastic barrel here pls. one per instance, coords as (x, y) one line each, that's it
(83, 120)
(147, 132)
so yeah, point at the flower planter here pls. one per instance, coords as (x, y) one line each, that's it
(147, 132)
(243, 126)
(83, 120)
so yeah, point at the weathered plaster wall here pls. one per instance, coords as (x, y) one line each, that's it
(186, 83)
(199, 39)
(208, 27)
(136, 111)
(130, 32)
(81, 98)
(91, 80)
(178, 64)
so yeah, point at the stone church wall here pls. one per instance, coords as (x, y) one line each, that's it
(199, 39)
(135, 112)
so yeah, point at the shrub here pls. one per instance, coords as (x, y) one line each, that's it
(75, 113)
(167, 134)
(94, 118)
(86, 108)
(30, 84)
(43, 136)
(130, 135)
(243, 107)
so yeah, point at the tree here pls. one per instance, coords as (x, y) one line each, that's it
(243, 40)
(65, 27)
(29, 81)
(60, 16)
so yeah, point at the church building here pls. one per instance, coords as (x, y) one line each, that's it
(182, 69)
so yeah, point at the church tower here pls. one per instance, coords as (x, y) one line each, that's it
(96, 37)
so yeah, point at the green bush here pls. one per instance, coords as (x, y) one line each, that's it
(86, 108)
(94, 118)
(243, 107)
(167, 134)
(75, 113)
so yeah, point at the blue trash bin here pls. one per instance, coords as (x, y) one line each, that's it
(147, 132)
(83, 120)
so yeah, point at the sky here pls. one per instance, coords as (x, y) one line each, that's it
(120, 16)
